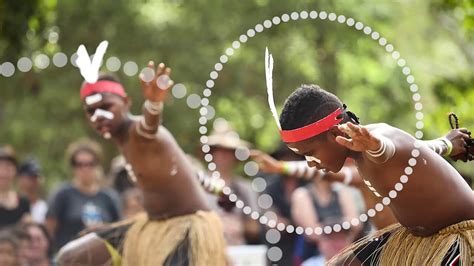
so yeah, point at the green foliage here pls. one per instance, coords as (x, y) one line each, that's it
(40, 112)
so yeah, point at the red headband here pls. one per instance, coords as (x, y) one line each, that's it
(311, 130)
(102, 86)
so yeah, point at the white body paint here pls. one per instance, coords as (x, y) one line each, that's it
(312, 159)
(90, 70)
(93, 99)
(102, 113)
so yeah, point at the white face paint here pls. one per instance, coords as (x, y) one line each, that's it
(294, 149)
(107, 135)
(312, 159)
(102, 113)
(94, 98)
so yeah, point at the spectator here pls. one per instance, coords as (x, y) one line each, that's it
(82, 203)
(8, 249)
(13, 208)
(39, 246)
(29, 183)
(239, 229)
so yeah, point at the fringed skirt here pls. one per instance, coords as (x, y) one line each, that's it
(195, 239)
(394, 245)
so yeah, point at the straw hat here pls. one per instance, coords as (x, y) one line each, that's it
(225, 137)
(8, 153)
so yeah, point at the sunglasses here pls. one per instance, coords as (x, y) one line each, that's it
(84, 164)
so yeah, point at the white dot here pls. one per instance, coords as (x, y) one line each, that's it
(395, 55)
(412, 162)
(251, 168)
(24, 64)
(308, 231)
(274, 254)
(419, 124)
(378, 207)
(290, 228)
(371, 213)
(193, 101)
(418, 106)
(213, 75)
(386, 201)
(408, 170)
(419, 115)
(235, 44)
(285, 17)
(332, 16)
(202, 129)
(417, 144)
(323, 15)
(276, 20)
(7, 69)
(247, 210)
(60, 59)
(401, 62)
(337, 228)
(404, 179)
(327, 229)
(179, 91)
(272, 236)
(205, 148)
(73, 59)
(359, 25)
(242, 153)
(313, 14)
(346, 225)
(304, 14)
(147, 74)
(259, 184)
(223, 59)
(299, 230)
(202, 119)
(265, 201)
(389, 48)
(363, 217)
(398, 187)
(271, 223)
(130, 68)
(233, 197)
(367, 30)
(211, 166)
(41, 61)
(113, 64)
(350, 22)
(318, 230)
(281, 226)
(355, 222)
(415, 153)
(416, 97)
(210, 83)
(406, 70)
(259, 28)
(250, 33)
(239, 204)
(208, 157)
(218, 66)
(375, 35)
(341, 19)
(226, 191)
(382, 41)
(410, 79)
(294, 16)
(392, 194)
(267, 24)
(254, 215)
(229, 51)
(207, 92)
(243, 38)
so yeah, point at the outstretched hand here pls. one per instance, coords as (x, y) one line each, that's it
(359, 138)
(463, 144)
(155, 85)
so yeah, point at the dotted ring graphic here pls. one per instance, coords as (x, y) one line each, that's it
(251, 168)
(194, 101)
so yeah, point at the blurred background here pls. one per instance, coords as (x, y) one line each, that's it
(40, 111)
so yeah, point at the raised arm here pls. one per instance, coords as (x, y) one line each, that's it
(154, 88)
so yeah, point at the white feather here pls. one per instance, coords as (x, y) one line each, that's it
(269, 79)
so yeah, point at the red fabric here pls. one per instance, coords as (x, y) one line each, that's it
(102, 86)
(311, 130)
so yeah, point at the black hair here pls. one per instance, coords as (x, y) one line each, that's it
(310, 103)
(108, 77)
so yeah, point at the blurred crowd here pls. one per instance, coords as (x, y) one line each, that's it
(35, 223)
